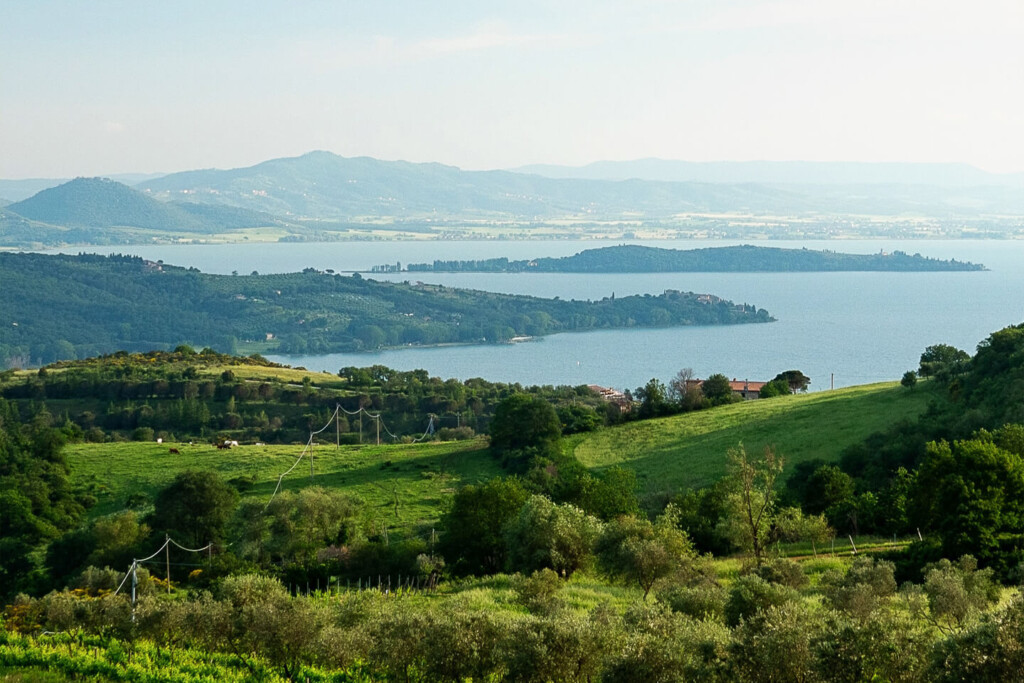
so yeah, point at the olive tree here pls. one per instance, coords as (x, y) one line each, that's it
(637, 551)
(546, 534)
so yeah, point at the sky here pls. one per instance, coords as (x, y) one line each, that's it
(107, 87)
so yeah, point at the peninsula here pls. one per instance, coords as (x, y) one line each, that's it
(60, 306)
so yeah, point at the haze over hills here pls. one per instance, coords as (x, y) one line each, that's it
(322, 184)
(101, 203)
(16, 190)
(321, 195)
(326, 185)
(782, 172)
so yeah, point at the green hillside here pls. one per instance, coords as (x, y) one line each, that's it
(689, 450)
(61, 306)
(417, 476)
(669, 453)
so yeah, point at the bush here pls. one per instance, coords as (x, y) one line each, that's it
(95, 435)
(775, 644)
(455, 433)
(143, 434)
(538, 592)
(859, 591)
(783, 572)
(699, 602)
(991, 651)
(752, 594)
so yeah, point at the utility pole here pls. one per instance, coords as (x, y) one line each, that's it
(311, 442)
(378, 429)
(360, 425)
(167, 555)
(337, 426)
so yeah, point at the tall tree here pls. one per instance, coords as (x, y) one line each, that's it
(716, 388)
(473, 541)
(194, 507)
(525, 425)
(751, 505)
(797, 380)
(971, 493)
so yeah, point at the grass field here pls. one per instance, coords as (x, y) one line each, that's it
(417, 476)
(689, 450)
(404, 486)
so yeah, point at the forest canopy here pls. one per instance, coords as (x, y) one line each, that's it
(64, 307)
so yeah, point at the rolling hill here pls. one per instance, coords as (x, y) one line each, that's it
(322, 184)
(321, 195)
(98, 204)
(668, 454)
(689, 450)
(325, 185)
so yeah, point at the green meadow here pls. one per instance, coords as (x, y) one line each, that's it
(689, 450)
(402, 485)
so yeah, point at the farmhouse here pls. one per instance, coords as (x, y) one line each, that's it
(745, 389)
(613, 396)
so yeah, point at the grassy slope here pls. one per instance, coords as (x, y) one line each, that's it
(422, 474)
(668, 453)
(690, 450)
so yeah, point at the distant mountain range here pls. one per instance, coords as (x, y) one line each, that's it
(321, 193)
(782, 172)
(325, 185)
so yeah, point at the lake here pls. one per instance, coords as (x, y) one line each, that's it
(846, 328)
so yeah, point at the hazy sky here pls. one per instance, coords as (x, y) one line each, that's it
(100, 87)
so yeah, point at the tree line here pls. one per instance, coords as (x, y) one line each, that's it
(744, 258)
(185, 395)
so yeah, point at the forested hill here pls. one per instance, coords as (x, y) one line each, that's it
(99, 203)
(739, 259)
(61, 306)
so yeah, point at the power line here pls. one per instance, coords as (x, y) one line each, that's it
(336, 418)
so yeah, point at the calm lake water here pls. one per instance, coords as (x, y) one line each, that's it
(857, 327)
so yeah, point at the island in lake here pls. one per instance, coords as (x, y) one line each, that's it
(740, 259)
(59, 307)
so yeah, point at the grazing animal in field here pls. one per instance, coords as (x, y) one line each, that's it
(174, 451)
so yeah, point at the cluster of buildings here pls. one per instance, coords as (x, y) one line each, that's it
(744, 388)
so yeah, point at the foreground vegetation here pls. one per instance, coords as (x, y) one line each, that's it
(827, 620)
(550, 570)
